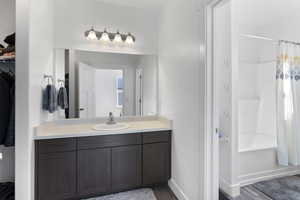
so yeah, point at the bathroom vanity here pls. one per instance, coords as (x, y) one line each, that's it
(73, 161)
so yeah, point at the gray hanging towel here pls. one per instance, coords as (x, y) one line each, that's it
(49, 98)
(62, 98)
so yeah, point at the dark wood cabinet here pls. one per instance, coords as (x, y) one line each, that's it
(77, 168)
(126, 168)
(56, 176)
(156, 163)
(94, 171)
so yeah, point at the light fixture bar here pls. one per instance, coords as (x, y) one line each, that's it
(106, 36)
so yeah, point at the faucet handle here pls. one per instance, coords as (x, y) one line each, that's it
(111, 119)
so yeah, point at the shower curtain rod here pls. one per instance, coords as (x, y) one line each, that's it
(257, 37)
(267, 38)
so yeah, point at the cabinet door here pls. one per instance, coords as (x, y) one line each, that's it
(156, 163)
(56, 176)
(94, 171)
(126, 167)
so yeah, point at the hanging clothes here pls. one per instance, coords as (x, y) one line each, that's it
(10, 133)
(4, 108)
(8, 137)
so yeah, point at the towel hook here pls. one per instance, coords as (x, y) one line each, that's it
(61, 82)
(48, 77)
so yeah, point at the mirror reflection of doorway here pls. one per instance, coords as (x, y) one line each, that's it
(139, 92)
(86, 88)
(135, 86)
(100, 91)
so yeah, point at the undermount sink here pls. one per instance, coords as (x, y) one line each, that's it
(111, 127)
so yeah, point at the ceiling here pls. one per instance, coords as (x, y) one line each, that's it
(137, 3)
(262, 14)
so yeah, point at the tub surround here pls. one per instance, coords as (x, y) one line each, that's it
(84, 127)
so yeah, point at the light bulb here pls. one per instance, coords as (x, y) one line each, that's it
(105, 37)
(129, 39)
(118, 38)
(92, 35)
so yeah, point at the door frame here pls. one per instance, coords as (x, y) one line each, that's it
(139, 93)
(211, 151)
(90, 112)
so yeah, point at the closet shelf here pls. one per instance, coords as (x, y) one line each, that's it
(7, 59)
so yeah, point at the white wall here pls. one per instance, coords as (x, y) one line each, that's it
(7, 19)
(7, 27)
(23, 182)
(82, 14)
(150, 84)
(182, 91)
(224, 73)
(34, 58)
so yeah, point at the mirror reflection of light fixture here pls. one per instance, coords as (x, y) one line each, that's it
(118, 38)
(91, 34)
(129, 39)
(106, 37)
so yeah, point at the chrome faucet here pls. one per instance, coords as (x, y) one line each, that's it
(111, 119)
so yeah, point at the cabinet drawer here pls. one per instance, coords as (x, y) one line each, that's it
(108, 141)
(155, 137)
(56, 145)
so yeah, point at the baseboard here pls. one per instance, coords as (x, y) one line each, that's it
(267, 175)
(232, 190)
(177, 190)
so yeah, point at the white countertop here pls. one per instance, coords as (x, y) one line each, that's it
(84, 128)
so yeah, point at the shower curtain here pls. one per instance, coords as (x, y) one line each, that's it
(288, 103)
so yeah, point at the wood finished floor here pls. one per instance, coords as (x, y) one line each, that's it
(164, 193)
(248, 193)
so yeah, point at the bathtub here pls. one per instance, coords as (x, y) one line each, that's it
(258, 159)
(256, 141)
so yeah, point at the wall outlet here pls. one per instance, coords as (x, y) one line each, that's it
(1, 156)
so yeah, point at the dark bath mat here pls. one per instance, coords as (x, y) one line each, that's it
(287, 188)
(140, 194)
(222, 196)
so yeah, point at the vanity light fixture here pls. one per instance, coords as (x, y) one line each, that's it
(118, 37)
(91, 34)
(129, 39)
(106, 36)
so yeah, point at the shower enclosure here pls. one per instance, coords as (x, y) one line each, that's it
(257, 94)
(246, 92)
(257, 109)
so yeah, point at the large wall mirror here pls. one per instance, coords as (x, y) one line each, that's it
(99, 83)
